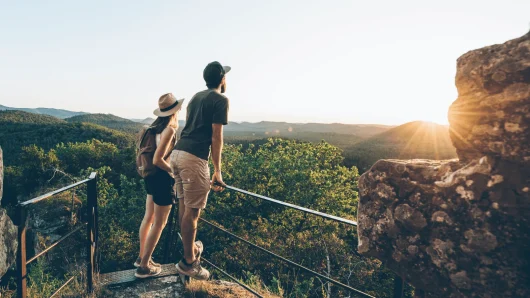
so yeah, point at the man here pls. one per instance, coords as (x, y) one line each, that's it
(207, 113)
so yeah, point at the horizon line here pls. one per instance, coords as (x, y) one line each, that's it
(239, 121)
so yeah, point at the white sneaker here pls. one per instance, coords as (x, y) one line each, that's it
(195, 270)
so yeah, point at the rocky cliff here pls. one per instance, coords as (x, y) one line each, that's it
(1, 174)
(8, 232)
(461, 228)
(170, 286)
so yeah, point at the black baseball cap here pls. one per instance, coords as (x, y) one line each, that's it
(214, 73)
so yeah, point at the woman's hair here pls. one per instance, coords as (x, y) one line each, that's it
(162, 122)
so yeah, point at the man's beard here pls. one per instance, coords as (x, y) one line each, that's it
(223, 88)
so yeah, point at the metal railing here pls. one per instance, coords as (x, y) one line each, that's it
(398, 282)
(91, 228)
(338, 283)
(299, 208)
(92, 239)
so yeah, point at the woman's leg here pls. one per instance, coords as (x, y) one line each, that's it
(161, 215)
(147, 222)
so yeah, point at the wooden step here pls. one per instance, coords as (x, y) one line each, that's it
(127, 276)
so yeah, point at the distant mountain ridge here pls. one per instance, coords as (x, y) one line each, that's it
(59, 113)
(263, 128)
(285, 128)
(362, 144)
(147, 120)
(109, 121)
(412, 140)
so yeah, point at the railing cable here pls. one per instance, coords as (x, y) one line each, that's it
(50, 194)
(306, 210)
(77, 274)
(63, 286)
(287, 261)
(232, 278)
(79, 227)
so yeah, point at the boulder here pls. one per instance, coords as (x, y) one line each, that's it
(8, 242)
(8, 233)
(458, 231)
(492, 112)
(1, 174)
(460, 228)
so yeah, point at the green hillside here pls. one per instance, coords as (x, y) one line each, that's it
(18, 129)
(413, 140)
(342, 141)
(109, 121)
(285, 129)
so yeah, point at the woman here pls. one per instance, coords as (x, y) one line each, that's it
(159, 185)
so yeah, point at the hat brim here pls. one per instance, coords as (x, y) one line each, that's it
(175, 109)
(226, 68)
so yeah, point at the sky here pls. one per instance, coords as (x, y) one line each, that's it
(384, 62)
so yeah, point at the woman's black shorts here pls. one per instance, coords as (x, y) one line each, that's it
(160, 186)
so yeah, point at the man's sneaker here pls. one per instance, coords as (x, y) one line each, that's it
(195, 270)
(151, 262)
(150, 271)
(200, 248)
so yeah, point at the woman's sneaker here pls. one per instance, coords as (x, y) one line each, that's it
(151, 262)
(150, 271)
(195, 270)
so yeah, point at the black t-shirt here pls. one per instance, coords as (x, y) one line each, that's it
(205, 108)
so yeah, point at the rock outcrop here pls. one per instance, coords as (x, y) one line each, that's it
(1, 174)
(8, 242)
(170, 286)
(461, 228)
(491, 115)
(8, 233)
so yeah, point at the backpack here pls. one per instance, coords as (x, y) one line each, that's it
(146, 148)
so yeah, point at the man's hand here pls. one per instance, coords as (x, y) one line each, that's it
(217, 178)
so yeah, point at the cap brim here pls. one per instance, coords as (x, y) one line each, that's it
(159, 113)
(227, 68)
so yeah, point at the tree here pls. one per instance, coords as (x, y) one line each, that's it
(309, 175)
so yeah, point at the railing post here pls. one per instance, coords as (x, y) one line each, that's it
(169, 236)
(398, 286)
(21, 252)
(96, 223)
(92, 198)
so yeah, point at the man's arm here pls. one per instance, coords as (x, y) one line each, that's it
(217, 148)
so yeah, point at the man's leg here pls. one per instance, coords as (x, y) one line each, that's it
(178, 185)
(189, 231)
(182, 208)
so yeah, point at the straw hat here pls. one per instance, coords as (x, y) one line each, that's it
(168, 105)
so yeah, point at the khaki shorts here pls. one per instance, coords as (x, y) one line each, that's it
(192, 178)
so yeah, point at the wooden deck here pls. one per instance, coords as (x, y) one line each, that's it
(127, 276)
